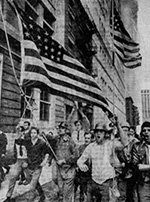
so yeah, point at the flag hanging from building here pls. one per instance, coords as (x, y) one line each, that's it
(48, 64)
(126, 49)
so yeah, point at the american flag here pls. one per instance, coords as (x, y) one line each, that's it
(126, 49)
(46, 64)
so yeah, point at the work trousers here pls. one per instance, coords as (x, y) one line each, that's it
(100, 191)
(32, 177)
(143, 190)
(127, 190)
(14, 173)
(65, 182)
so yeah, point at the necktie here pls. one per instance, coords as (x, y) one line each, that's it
(20, 150)
(78, 134)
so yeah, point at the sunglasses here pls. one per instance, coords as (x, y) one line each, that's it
(148, 130)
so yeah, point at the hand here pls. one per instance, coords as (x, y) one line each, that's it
(144, 167)
(61, 161)
(84, 168)
(25, 165)
(114, 119)
(42, 164)
(81, 111)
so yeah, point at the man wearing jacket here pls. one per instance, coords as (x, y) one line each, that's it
(141, 161)
(66, 155)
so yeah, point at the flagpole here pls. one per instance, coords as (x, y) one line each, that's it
(113, 53)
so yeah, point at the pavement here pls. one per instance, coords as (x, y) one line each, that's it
(22, 193)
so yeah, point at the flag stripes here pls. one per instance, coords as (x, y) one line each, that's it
(127, 50)
(48, 64)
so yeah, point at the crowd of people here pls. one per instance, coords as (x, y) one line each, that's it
(109, 162)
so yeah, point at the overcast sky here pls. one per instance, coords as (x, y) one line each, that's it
(144, 37)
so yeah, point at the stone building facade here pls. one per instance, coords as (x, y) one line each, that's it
(83, 29)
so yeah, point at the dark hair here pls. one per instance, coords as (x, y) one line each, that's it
(63, 125)
(34, 128)
(145, 124)
(77, 121)
(86, 133)
(27, 123)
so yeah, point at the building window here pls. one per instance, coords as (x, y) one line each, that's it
(44, 106)
(28, 98)
(48, 21)
(1, 70)
(70, 44)
(31, 8)
(68, 111)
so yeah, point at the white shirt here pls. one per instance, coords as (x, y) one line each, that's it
(100, 156)
(24, 152)
(74, 136)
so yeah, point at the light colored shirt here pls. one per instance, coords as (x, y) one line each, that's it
(100, 155)
(78, 138)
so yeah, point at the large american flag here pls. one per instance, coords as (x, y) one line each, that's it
(46, 64)
(126, 49)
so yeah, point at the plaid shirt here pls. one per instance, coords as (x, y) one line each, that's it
(100, 155)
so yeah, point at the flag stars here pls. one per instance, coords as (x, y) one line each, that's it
(58, 59)
(39, 50)
(52, 50)
(46, 47)
(52, 57)
(39, 37)
(25, 26)
(30, 18)
(31, 26)
(46, 33)
(27, 34)
(46, 40)
(59, 53)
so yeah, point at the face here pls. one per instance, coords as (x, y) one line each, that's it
(34, 134)
(125, 130)
(99, 135)
(87, 138)
(146, 134)
(62, 130)
(78, 126)
(131, 132)
(26, 126)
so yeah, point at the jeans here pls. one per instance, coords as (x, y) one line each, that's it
(33, 176)
(15, 172)
(127, 189)
(100, 191)
(65, 182)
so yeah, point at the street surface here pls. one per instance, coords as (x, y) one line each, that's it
(21, 193)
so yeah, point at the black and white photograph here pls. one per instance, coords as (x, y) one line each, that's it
(74, 101)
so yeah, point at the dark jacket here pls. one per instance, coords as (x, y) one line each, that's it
(140, 155)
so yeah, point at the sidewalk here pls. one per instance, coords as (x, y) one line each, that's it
(21, 192)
